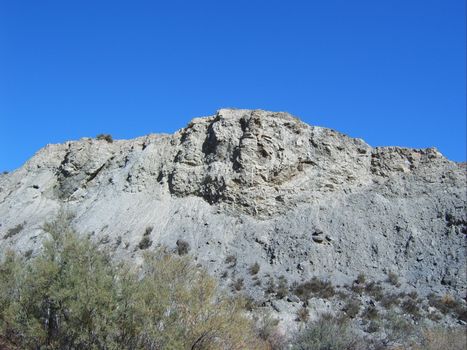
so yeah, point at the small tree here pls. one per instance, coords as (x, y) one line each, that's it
(72, 296)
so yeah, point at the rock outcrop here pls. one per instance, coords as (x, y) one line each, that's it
(263, 187)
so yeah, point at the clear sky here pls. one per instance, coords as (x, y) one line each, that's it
(392, 72)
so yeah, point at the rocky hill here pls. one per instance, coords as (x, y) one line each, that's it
(248, 188)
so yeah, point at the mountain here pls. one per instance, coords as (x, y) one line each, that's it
(251, 187)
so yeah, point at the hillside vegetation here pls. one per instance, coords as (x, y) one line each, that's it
(72, 296)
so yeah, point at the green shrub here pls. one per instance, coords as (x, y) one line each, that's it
(72, 296)
(105, 137)
(145, 243)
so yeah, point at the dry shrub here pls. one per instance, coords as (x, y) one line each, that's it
(370, 313)
(282, 288)
(375, 290)
(352, 308)
(448, 304)
(231, 260)
(389, 300)
(302, 314)
(393, 278)
(443, 339)
(267, 329)
(361, 278)
(411, 306)
(327, 333)
(254, 269)
(314, 288)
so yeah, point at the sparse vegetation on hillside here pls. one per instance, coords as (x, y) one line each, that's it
(71, 295)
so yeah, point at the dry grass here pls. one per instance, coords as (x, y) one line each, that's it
(443, 339)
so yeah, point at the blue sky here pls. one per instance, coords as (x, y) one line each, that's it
(391, 72)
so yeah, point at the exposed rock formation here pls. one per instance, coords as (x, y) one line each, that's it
(261, 186)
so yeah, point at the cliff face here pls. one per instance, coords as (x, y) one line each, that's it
(264, 187)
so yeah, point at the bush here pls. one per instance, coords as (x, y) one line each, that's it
(270, 286)
(352, 308)
(389, 300)
(238, 284)
(267, 330)
(370, 313)
(411, 306)
(393, 278)
(398, 328)
(14, 230)
(314, 287)
(72, 296)
(448, 304)
(105, 137)
(357, 288)
(375, 290)
(231, 260)
(327, 333)
(282, 288)
(148, 231)
(183, 247)
(145, 243)
(254, 269)
(373, 327)
(361, 278)
(303, 314)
